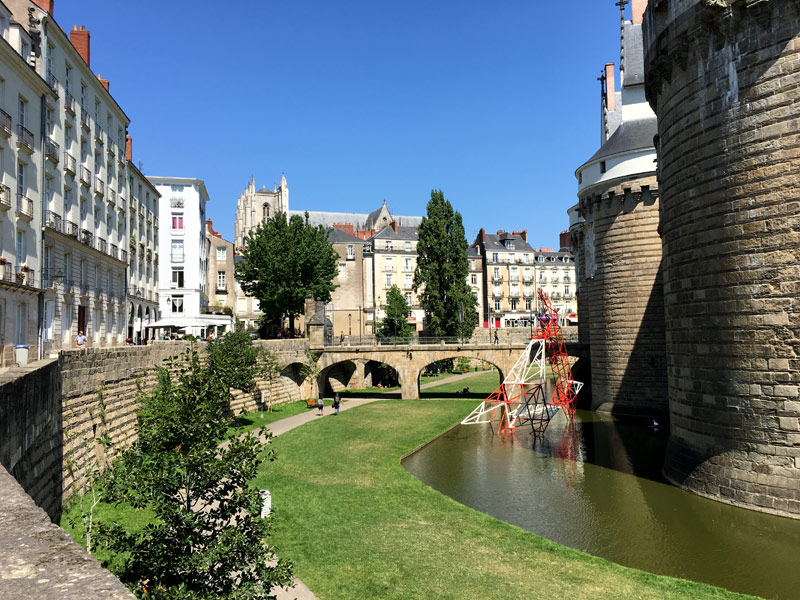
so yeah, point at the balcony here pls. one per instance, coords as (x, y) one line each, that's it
(25, 139)
(24, 276)
(87, 237)
(102, 245)
(123, 255)
(5, 197)
(52, 81)
(155, 258)
(514, 278)
(176, 258)
(6, 270)
(99, 134)
(497, 278)
(99, 186)
(112, 197)
(24, 207)
(567, 279)
(149, 254)
(51, 150)
(86, 176)
(71, 229)
(114, 251)
(176, 202)
(221, 289)
(5, 124)
(50, 278)
(68, 286)
(155, 222)
(527, 278)
(98, 293)
(85, 121)
(84, 288)
(111, 148)
(53, 221)
(69, 163)
(69, 103)
(149, 217)
(141, 211)
(514, 293)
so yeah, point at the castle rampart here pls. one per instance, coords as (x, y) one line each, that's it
(723, 77)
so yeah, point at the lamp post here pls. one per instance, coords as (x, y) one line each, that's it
(349, 324)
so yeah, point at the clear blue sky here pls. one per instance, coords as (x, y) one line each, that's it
(495, 103)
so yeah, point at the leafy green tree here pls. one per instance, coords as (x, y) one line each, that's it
(207, 539)
(235, 360)
(284, 262)
(442, 267)
(394, 324)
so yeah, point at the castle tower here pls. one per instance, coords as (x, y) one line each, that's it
(614, 230)
(723, 76)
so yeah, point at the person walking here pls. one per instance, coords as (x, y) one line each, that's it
(495, 336)
(320, 404)
(336, 403)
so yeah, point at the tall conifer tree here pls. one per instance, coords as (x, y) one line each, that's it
(441, 274)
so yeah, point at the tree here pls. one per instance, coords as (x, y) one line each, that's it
(207, 539)
(394, 324)
(234, 360)
(284, 262)
(442, 269)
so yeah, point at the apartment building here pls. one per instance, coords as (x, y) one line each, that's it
(475, 278)
(143, 211)
(346, 308)
(221, 286)
(513, 272)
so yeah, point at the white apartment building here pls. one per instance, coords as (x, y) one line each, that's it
(183, 250)
(143, 229)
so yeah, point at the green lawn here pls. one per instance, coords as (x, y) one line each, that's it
(480, 384)
(357, 525)
(255, 420)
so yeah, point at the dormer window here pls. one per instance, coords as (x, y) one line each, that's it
(509, 244)
(540, 258)
(388, 244)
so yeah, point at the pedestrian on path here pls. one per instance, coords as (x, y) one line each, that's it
(495, 336)
(320, 404)
(336, 402)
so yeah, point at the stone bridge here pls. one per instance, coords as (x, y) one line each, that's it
(349, 365)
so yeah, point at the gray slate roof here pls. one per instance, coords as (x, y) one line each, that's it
(337, 236)
(633, 61)
(403, 233)
(494, 243)
(630, 135)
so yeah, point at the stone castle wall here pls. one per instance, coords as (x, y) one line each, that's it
(724, 78)
(620, 301)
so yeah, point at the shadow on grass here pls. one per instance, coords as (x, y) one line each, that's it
(371, 394)
(440, 395)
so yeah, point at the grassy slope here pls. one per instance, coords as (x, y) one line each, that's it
(254, 420)
(357, 525)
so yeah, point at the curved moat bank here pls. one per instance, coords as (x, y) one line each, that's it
(599, 488)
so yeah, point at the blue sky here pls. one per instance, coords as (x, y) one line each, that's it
(358, 101)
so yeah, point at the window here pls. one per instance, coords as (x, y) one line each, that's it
(495, 257)
(67, 261)
(498, 304)
(20, 247)
(540, 258)
(528, 290)
(350, 252)
(472, 264)
(509, 244)
(408, 282)
(514, 274)
(108, 284)
(23, 109)
(22, 323)
(389, 264)
(241, 305)
(96, 277)
(388, 244)
(515, 289)
(222, 253)
(177, 304)
(497, 291)
(221, 282)
(527, 274)
(408, 264)
(20, 179)
(177, 250)
(512, 257)
(473, 279)
(177, 277)
(389, 280)
(514, 304)
(602, 166)
(408, 246)
(566, 291)
(526, 258)
(342, 270)
(496, 272)
(408, 298)
(177, 221)
(265, 211)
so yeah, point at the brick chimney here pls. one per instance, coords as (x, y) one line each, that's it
(129, 147)
(394, 226)
(45, 5)
(80, 41)
(610, 95)
(637, 8)
(482, 236)
(104, 82)
(523, 234)
(565, 240)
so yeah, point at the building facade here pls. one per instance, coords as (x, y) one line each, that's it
(346, 308)
(256, 206)
(617, 242)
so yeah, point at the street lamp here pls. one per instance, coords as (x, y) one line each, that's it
(349, 324)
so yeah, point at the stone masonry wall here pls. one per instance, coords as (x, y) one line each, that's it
(724, 77)
(621, 303)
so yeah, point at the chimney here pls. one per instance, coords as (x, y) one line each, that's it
(523, 234)
(80, 41)
(637, 8)
(45, 5)
(565, 240)
(394, 226)
(610, 94)
(482, 236)
(103, 82)
(129, 147)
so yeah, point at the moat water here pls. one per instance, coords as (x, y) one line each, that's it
(598, 487)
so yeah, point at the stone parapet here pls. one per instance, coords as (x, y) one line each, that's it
(620, 302)
(723, 77)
